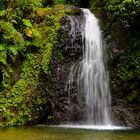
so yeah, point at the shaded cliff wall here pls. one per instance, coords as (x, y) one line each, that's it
(65, 55)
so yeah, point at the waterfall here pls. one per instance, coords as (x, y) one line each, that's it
(92, 79)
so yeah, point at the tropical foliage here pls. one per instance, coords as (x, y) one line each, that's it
(28, 33)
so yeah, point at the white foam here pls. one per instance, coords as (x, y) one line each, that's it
(94, 127)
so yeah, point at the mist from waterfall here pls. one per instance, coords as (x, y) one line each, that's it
(91, 75)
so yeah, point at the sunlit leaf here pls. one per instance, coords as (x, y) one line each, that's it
(28, 32)
(27, 22)
(3, 56)
(1, 47)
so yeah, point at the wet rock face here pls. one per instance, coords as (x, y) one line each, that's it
(71, 37)
(124, 112)
(65, 55)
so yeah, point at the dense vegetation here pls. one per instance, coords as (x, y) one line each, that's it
(28, 33)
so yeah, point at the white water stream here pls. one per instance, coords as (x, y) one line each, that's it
(91, 75)
(94, 79)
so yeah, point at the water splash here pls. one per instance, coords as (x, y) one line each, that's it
(92, 127)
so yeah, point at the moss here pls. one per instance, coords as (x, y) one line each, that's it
(41, 12)
(60, 56)
(133, 96)
(72, 11)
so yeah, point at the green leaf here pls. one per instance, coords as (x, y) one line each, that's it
(13, 49)
(1, 47)
(3, 56)
(2, 13)
(27, 22)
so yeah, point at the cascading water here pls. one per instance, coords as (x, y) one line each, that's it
(86, 103)
(91, 77)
